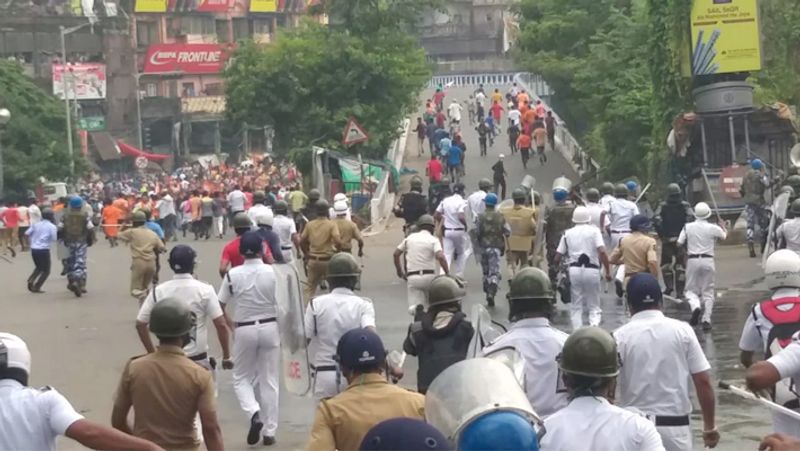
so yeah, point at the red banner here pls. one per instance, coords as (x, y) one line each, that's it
(186, 58)
(214, 6)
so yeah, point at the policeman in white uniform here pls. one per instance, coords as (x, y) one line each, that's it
(589, 365)
(203, 302)
(598, 214)
(258, 208)
(538, 343)
(286, 229)
(329, 316)
(584, 249)
(339, 197)
(452, 212)
(251, 290)
(31, 419)
(620, 212)
(700, 237)
(782, 273)
(788, 232)
(784, 365)
(658, 356)
(422, 250)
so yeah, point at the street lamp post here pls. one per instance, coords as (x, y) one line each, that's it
(64, 32)
(5, 116)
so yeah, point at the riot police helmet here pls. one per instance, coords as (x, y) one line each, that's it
(620, 190)
(782, 269)
(259, 197)
(171, 318)
(426, 221)
(591, 352)
(756, 164)
(607, 188)
(323, 208)
(445, 290)
(313, 195)
(484, 184)
(280, 207)
(343, 270)
(416, 184)
(795, 208)
(519, 195)
(138, 217)
(593, 195)
(241, 223)
(498, 430)
(673, 191)
(793, 181)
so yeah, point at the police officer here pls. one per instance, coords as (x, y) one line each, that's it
(530, 302)
(635, 253)
(522, 222)
(340, 198)
(788, 233)
(700, 237)
(620, 212)
(259, 207)
(286, 229)
(754, 186)
(203, 302)
(492, 232)
(670, 217)
(590, 366)
(440, 336)
(475, 207)
(412, 204)
(398, 434)
(769, 328)
(422, 250)
(343, 421)
(793, 181)
(264, 221)
(76, 229)
(167, 390)
(583, 248)
(348, 230)
(557, 219)
(319, 240)
(329, 316)
(231, 257)
(251, 288)
(451, 212)
(597, 214)
(32, 418)
(145, 246)
(437, 192)
(658, 355)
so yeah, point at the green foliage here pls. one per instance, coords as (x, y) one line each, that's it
(34, 141)
(780, 28)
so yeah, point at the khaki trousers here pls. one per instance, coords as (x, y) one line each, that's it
(142, 273)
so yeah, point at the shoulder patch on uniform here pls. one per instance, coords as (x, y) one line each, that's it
(46, 388)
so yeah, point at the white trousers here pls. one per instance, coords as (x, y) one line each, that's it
(256, 360)
(615, 239)
(585, 293)
(288, 255)
(676, 438)
(219, 223)
(328, 385)
(455, 250)
(417, 287)
(700, 274)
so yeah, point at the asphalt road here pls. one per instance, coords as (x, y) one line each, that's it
(79, 346)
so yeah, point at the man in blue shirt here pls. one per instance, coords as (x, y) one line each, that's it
(152, 225)
(41, 235)
(454, 162)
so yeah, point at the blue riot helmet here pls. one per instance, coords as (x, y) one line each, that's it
(632, 186)
(499, 430)
(560, 195)
(75, 202)
(756, 164)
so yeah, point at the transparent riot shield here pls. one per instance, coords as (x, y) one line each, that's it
(294, 340)
(486, 330)
(779, 207)
(562, 183)
(511, 358)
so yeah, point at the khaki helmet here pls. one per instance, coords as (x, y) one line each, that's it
(259, 197)
(787, 189)
(138, 216)
(242, 221)
(620, 190)
(280, 207)
(171, 317)
(593, 195)
(673, 190)
(519, 194)
(426, 220)
(323, 207)
(343, 264)
(445, 289)
(607, 188)
(416, 183)
(795, 208)
(530, 284)
(314, 195)
(590, 351)
(794, 182)
(484, 184)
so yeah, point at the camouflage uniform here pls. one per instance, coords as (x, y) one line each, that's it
(558, 219)
(492, 230)
(753, 187)
(76, 236)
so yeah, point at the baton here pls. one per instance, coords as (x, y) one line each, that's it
(647, 187)
(672, 298)
(765, 402)
(711, 194)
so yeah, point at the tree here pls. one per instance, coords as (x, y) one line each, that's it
(780, 28)
(34, 142)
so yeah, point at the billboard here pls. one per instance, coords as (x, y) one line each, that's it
(151, 6)
(263, 6)
(186, 58)
(725, 37)
(213, 6)
(85, 81)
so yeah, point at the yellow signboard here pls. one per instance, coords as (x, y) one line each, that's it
(151, 6)
(263, 6)
(725, 37)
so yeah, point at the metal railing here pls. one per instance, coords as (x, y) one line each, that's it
(533, 83)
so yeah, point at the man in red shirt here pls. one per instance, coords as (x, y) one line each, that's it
(441, 119)
(434, 169)
(496, 111)
(10, 218)
(524, 146)
(438, 98)
(231, 257)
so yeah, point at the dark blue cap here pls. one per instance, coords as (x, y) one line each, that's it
(644, 290)
(251, 244)
(640, 223)
(404, 434)
(182, 258)
(360, 349)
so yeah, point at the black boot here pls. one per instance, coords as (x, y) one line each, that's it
(752, 249)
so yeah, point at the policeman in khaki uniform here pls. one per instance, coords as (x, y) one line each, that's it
(636, 251)
(319, 241)
(343, 421)
(167, 390)
(522, 222)
(145, 247)
(329, 316)
(659, 356)
(530, 307)
(348, 230)
(590, 365)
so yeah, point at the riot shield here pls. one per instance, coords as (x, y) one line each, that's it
(511, 358)
(486, 330)
(470, 389)
(537, 255)
(562, 183)
(778, 213)
(291, 325)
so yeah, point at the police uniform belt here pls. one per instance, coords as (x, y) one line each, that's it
(420, 272)
(700, 256)
(585, 265)
(322, 368)
(253, 323)
(199, 357)
(620, 231)
(319, 259)
(682, 420)
(449, 229)
(287, 248)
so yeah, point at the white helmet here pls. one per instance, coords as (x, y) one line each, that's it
(782, 269)
(340, 208)
(340, 197)
(581, 215)
(15, 352)
(702, 211)
(265, 217)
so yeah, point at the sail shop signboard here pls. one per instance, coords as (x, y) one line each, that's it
(186, 58)
(725, 37)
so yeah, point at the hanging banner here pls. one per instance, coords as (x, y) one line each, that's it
(725, 37)
(186, 58)
(214, 6)
(85, 81)
(263, 6)
(151, 6)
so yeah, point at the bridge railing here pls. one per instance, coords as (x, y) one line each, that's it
(534, 83)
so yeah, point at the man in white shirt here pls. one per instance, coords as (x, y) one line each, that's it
(203, 302)
(788, 232)
(286, 229)
(597, 214)
(700, 237)
(329, 316)
(589, 365)
(452, 212)
(659, 356)
(620, 212)
(513, 116)
(530, 305)
(584, 249)
(784, 365)
(259, 207)
(236, 200)
(475, 200)
(422, 250)
(31, 419)
(166, 216)
(34, 213)
(251, 290)
(454, 111)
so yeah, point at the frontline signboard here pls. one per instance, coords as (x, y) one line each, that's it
(186, 58)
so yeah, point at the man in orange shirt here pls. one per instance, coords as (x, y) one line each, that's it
(529, 116)
(540, 138)
(523, 98)
(195, 202)
(111, 221)
(524, 146)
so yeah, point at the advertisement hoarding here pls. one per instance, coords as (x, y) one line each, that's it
(151, 6)
(85, 81)
(725, 37)
(263, 6)
(186, 58)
